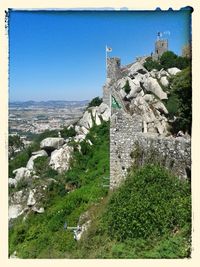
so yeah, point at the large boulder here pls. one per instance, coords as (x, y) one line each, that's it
(135, 89)
(160, 106)
(86, 120)
(141, 78)
(104, 111)
(140, 107)
(12, 182)
(152, 85)
(84, 130)
(122, 82)
(52, 143)
(17, 204)
(173, 71)
(60, 158)
(37, 154)
(14, 211)
(154, 73)
(164, 81)
(21, 173)
(149, 98)
(102, 108)
(31, 198)
(162, 73)
(97, 119)
(106, 115)
(137, 67)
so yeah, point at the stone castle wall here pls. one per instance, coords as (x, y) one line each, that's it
(129, 145)
(106, 94)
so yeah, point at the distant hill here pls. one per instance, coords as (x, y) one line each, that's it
(49, 103)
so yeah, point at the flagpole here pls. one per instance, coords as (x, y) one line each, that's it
(106, 60)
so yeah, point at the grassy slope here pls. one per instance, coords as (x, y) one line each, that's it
(43, 235)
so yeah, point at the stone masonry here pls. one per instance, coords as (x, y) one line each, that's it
(129, 145)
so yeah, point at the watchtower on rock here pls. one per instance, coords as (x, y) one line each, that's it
(161, 46)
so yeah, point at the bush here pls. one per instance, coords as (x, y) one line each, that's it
(182, 62)
(182, 89)
(152, 202)
(127, 87)
(66, 133)
(20, 160)
(168, 59)
(151, 64)
(95, 102)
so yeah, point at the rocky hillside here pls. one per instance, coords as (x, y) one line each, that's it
(29, 184)
(145, 93)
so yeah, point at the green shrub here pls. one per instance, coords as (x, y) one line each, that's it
(172, 105)
(168, 59)
(182, 62)
(182, 90)
(95, 102)
(127, 87)
(20, 160)
(66, 133)
(151, 202)
(152, 64)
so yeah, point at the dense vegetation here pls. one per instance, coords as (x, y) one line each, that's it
(168, 60)
(180, 100)
(161, 205)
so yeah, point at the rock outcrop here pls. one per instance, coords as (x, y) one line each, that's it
(140, 118)
(173, 71)
(52, 143)
(35, 155)
(59, 152)
(60, 158)
(21, 173)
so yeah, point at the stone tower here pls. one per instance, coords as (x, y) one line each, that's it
(113, 74)
(161, 46)
(113, 68)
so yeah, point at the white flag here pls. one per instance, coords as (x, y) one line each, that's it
(108, 49)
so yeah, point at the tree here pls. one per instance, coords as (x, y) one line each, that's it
(95, 102)
(168, 59)
(152, 64)
(182, 88)
(182, 62)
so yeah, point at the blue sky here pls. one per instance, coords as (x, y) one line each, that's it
(61, 55)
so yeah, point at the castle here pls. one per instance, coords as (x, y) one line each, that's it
(139, 125)
(161, 46)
